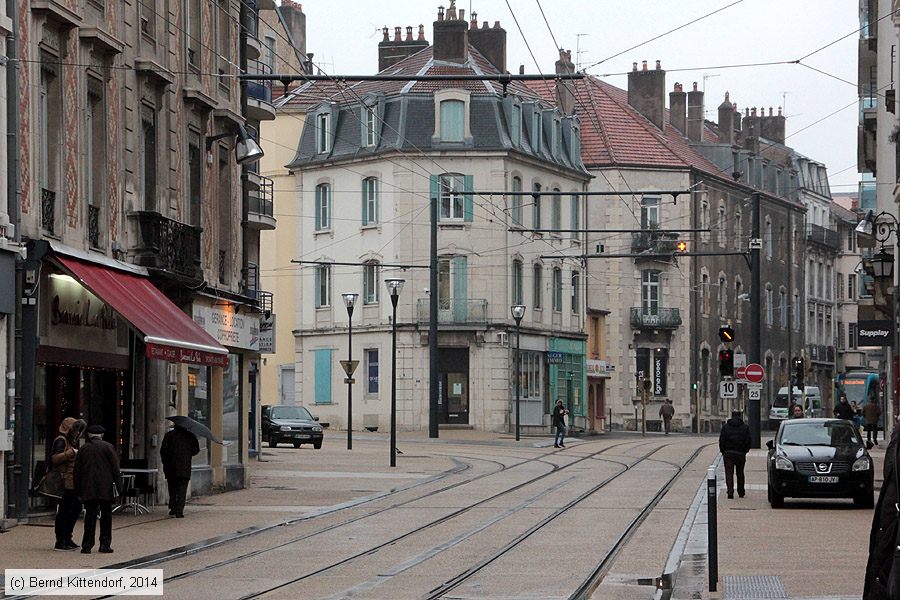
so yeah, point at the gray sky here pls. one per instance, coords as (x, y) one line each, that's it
(344, 36)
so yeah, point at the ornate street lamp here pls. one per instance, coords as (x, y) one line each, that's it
(394, 287)
(883, 265)
(518, 311)
(350, 302)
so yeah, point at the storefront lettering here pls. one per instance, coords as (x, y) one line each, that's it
(105, 317)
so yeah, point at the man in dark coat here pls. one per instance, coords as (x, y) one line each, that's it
(871, 412)
(734, 444)
(884, 528)
(667, 411)
(97, 481)
(843, 410)
(178, 446)
(559, 422)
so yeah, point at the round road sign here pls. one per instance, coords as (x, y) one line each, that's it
(755, 373)
(741, 372)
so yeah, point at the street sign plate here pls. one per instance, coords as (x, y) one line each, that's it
(754, 393)
(728, 389)
(349, 366)
(741, 373)
(740, 359)
(755, 373)
(756, 243)
(349, 380)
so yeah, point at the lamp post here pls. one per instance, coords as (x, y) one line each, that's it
(518, 311)
(350, 302)
(394, 287)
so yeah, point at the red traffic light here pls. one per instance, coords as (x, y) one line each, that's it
(681, 246)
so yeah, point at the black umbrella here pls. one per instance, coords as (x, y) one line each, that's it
(195, 427)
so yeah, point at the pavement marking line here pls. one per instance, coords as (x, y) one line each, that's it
(343, 474)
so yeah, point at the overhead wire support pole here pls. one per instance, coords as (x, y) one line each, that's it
(753, 416)
(433, 391)
(675, 193)
(665, 255)
(523, 230)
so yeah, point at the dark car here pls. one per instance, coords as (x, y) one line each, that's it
(291, 424)
(820, 458)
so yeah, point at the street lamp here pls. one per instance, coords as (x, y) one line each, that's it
(394, 287)
(349, 302)
(518, 311)
(882, 265)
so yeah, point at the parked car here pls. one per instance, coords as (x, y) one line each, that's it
(820, 458)
(291, 424)
(781, 405)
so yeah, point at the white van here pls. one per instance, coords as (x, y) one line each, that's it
(782, 403)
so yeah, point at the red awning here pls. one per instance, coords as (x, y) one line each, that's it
(168, 332)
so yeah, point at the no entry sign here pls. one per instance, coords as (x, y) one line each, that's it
(754, 373)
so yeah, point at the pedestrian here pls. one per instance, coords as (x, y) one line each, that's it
(797, 412)
(178, 446)
(734, 444)
(871, 411)
(62, 459)
(882, 538)
(98, 482)
(559, 421)
(667, 411)
(843, 410)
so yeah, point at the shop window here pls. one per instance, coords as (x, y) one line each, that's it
(372, 371)
(199, 407)
(231, 410)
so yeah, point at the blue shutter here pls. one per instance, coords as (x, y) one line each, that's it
(435, 194)
(460, 289)
(363, 129)
(323, 376)
(365, 211)
(318, 284)
(318, 207)
(467, 199)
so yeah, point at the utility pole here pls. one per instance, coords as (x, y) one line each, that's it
(755, 351)
(433, 322)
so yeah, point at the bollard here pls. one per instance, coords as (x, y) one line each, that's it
(711, 528)
(609, 421)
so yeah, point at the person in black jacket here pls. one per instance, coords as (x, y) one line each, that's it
(882, 538)
(97, 482)
(734, 444)
(178, 446)
(559, 421)
(843, 410)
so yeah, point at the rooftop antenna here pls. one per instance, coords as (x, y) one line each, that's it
(707, 108)
(578, 50)
(784, 103)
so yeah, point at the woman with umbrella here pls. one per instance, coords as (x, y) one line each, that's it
(178, 447)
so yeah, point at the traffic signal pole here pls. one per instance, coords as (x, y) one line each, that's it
(753, 418)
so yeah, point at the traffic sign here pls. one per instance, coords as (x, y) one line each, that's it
(741, 373)
(740, 359)
(728, 389)
(754, 393)
(755, 373)
(349, 367)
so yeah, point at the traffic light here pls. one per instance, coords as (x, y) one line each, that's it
(681, 246)
(726, 334)
(798, 372)
(726, 363)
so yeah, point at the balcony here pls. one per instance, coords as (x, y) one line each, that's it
(251, 25)
(260, 202)
(829, 238)
(820, 353)
(259, 93)
(660, 318)
(48, 211)
(454, 311)
(165, 245)
(656, 245)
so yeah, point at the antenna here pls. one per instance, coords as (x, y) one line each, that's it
(578, 50)
(784, 103)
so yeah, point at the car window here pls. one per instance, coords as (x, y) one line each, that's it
(290, 412)
(831, 433)
(781, 401)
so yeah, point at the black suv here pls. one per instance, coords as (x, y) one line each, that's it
(291, 424)
(820, 458)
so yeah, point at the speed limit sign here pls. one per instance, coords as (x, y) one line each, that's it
(754, 391)
(728, 389)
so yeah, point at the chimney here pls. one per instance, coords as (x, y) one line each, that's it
(392, 51)
(565, 88)
(695, 114)
(451, 38)
(726, 121)
(677, 108)
(736, 121)
(647, 93)
(295, 23)
(491, 42)
(751, 123)
(772, 126)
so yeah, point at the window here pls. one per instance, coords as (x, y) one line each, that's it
(557, 289)
(769, 239)
(851, 286)
(811, 277)
(738, 231)
(195, 169)
(517, 297)
(536, 130)
(738, 301)
(323, 207)
(226, 216)
(851, 240)
(537, 286)
(148, 19)
(271, 53)
(650, 289)
(653, 363)
(530, 364)
(704, 293)
(839, 279)
(323, 364)
(370, 126)
(796, 311)
(783, 308)
(149, 175)
(782, 244)
(192, 33)
(369, 201)
(371, 282)
(556, 211)
(704, 218)
(323, 133)
(723, 296)
(96, 167)
(770, 308)
(453, 120)
(721, 233)
(452, 201)
(557, 137)
(851, 335)
(517, 202)
(576, 215)
(536, 207)
(323, 286)
(223, 40)
(576, 305)
(575, 145)
(515, 129)
(372, 371)
(649, 212)
(829, 278)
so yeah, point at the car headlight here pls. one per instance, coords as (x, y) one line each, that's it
(285, 428)
(861, 464)
(317, 428)
(783, 464)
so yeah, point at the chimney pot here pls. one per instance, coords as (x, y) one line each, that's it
(634, 66)
(385, 32)
(779, 111)
(409, 34)
(770, 111)
(695, 86)
(474, 20)
(440, 13)
(521, 69)
(497, 25)
(462, 14)
(747, 112)
(726, 96)
(678, 108)
(421, 32)
(396, 34)
(644, 65)
(485, 25)
(658, 66)
(753, 112)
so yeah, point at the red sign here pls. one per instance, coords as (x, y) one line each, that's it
(184, 355)
(755, 373)
(741, 372)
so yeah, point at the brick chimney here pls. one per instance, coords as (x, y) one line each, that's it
(392, 51)
(677, 108)
(647, 92)
(695, 114)
(295, 23)
(772, 126)
(565, 88)
(490, 41)
(726, 121)
(736, 121)
(451, 39)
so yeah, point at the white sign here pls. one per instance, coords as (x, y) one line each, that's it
(228, 327)
(754, 386)
(596, 368)
(754, 393)
(740, 360)
(756, 243)
(728, 389)
(267, 334)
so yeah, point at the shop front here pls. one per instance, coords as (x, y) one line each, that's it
(565, 358)
(597, 371)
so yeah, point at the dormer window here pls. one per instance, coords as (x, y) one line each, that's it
(452, 124)
(323, 133)
(557, 137)
(575, 144)
(536, 130)
(370, 120)
(515, 126)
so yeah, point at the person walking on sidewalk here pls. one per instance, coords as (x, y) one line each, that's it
(843, 410)
(62, 457)
(871, 411)
(734, 444)
(883, 536)
(97, 481)
(559, 421)
(667, 411)
(178, 446)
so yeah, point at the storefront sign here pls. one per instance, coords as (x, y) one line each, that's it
(659, 374)
(229, 327)
(185, 355)
(596, 368)
(76, 318)
(875, 333)
(267, 334)
(554, 358)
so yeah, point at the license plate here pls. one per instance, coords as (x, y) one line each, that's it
(823, 479)
(301, 436)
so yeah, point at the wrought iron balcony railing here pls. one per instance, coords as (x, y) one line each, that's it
(454, 311)
(652, 243)
(94, 226)
(166, 245)
(259, 201)
(259, 90)
(823, 236)
(658, 318)
(48, 210)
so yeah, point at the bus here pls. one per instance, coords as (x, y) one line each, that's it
(863, 387)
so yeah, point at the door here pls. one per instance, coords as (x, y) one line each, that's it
(453, 383)
(453, 290)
